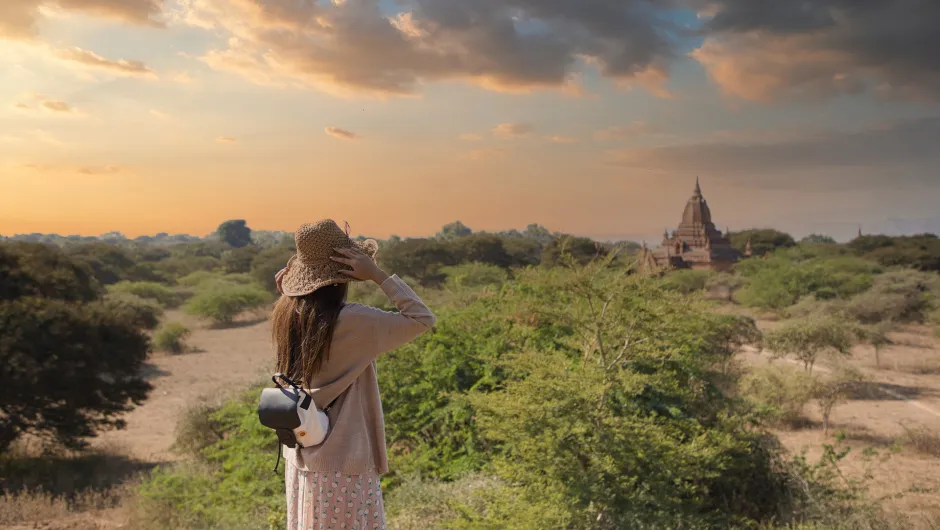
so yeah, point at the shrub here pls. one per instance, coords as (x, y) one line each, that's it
(923, 439)
(474, 275)
(781, 392)
(267, 263)
(75, 359)
(170, 337)
(223, 301)
(159, 293)
(779, 282)
(141, 312)
(896, 296)
(688, 281)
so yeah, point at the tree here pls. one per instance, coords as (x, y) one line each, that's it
(580, 250)
(762, 241)
(238, 260)
(835, 390)
(235, 233)
(267, 263)
(453, 231)
(421, 259)
(877, 336)
(818, 239)
(483, 248)
(806, 339)
(71, 364)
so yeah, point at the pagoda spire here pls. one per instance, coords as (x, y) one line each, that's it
(698, 187)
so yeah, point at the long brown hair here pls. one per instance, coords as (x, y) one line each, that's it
(302, 329)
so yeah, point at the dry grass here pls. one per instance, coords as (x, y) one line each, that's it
(922, 439)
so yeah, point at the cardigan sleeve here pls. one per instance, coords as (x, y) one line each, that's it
(393, 329)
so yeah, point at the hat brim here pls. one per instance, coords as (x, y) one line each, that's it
(304, 278)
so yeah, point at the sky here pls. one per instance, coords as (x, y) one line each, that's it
(590, 117)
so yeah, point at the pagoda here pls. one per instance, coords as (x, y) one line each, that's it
(696, 243)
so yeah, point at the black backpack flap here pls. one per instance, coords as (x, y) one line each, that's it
(277, 409)
(286, 437)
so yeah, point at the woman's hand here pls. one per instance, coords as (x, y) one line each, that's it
(363, 266)
(278, 278)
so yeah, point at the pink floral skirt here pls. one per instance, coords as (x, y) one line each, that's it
(333, 501)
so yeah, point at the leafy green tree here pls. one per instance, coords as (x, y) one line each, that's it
(688, 281)
(579, 250)
(453, 231)
(921, 252)
(818, 239)
(267, 263)
(807, 339)
(522, 251)
(483, 248)
(71, 364)
(421, 259)
(831, 391)
(141, 312)
(235, 233)
(762, 241)
(238, 260)
(111, 263)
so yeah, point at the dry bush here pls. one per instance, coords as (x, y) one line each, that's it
(420, 505)
(923, 439)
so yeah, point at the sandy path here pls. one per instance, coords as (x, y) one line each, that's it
(226, 362)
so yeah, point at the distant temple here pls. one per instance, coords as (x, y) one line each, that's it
(696, 244)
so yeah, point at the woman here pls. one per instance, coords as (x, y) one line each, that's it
(332, 346)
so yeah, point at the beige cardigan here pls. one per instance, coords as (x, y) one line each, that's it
(355, 443)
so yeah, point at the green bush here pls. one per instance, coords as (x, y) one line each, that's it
(267, 263)
(897, 296)
(781, 392)
(163, 295)
(223, 301)
(779, 281)
(143, 313)
(688, 281)
(171, 337)
(474, 275)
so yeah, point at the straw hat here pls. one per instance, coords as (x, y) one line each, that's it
(311, 267)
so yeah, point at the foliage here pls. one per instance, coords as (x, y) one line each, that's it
(763, 241)
(474, 275)
(223, 301)
(778, 282)
(171, 337)
(141, 312)
(235, 233)
(178, 266)
(807, 339)
(163, 295)
(688, 281)
(580, 250)
(421, 259)
(230, 484)
(818, 239)
(899, 296)
(920, 252)
(723, 285)
(482, 248)
(780, 392)
(76, 359)
(877, 336)
(835, 389)
(453, 231)
(238, 260)
(110, 263)
(267, 263)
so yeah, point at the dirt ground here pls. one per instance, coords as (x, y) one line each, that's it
(906, 390)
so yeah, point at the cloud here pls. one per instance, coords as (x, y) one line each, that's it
(162, 116)
(471, 137)
(342, 134)
(902, 147)
(36, 101)
(98, 170)
(37, 135)
(563, 139)
(513, 130)
(627, 132)
(57, 106)
(226, 140)
(19, 19)
(93, 60)
(353, 46)
(765, 50)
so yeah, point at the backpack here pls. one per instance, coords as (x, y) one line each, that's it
(291, 412)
